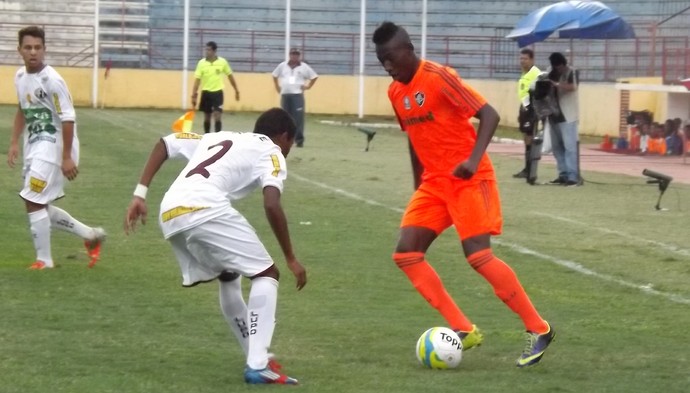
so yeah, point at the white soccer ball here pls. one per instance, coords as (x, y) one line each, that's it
(439, 348)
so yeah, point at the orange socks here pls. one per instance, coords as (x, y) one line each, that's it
(429, 285)
(508, 288)
(501, 277)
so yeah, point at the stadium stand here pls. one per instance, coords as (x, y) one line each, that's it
(467, 35)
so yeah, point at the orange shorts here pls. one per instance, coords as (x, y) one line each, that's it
(473, 207)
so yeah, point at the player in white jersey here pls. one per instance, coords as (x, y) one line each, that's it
(212, 240)
(46, 117)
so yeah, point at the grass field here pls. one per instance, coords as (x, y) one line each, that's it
(609, 272)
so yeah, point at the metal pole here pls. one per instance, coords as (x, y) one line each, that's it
(288, 16)
(96, 61)
(672, 16)
(652, 52)
(424, 7)
(185, 55)
(362, 32)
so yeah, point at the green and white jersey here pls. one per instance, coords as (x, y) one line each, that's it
(46, 103)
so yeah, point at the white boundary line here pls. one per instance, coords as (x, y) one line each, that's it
(395, 125)
(664, 246)
(523, 250)
(588, 272)
(647, 289)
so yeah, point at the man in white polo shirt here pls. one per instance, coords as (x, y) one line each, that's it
(291, 79)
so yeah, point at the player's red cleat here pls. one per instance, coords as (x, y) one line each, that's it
(93, 247)
(267, 376)
(274, 365)
(39, 265)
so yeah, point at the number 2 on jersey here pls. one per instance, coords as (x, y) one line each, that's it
(201, 168)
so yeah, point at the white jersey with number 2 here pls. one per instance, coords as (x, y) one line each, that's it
(225, 166)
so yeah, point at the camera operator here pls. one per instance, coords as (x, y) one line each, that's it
(564, 125)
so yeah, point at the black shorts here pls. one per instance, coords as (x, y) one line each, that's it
(211, 101)
(527, 120)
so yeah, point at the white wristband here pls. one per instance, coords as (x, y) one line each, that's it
(141, 191)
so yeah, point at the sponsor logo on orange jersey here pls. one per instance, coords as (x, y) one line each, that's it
(412, 120)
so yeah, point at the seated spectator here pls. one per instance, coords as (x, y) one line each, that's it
(674, 142)
(645, 134)
(656, 144)
(686, 137)
(638, 136)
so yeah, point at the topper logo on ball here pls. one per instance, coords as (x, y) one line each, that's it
(452, 340)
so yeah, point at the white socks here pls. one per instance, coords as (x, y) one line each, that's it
(40, 231)
(235, 310)
(63, 221)
(261, 314)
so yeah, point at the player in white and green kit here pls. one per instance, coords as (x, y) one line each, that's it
(46, 117)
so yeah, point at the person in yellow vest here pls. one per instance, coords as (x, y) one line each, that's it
(209, 74)
(527, 119)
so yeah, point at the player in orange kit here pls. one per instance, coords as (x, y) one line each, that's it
(455, 185)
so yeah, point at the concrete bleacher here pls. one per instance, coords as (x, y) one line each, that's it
(461, 34)
(468, 35)
(124, 33)
(70, 31)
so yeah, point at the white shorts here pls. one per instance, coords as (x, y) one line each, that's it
(224, 244)
(43, 182)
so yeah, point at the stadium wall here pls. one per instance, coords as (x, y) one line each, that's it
(648, 100)
(332, 94)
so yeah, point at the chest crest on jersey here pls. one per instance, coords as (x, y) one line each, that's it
(419, 98)
(40, 93)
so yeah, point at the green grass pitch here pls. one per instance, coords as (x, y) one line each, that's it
(610, 273)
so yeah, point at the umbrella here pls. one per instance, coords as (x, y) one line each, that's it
(571, 19)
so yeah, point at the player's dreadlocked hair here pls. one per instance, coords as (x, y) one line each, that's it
(274, 122)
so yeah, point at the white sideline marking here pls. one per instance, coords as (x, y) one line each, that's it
(494, 139)
(664, 246)
(588, 272)
(359, 124)
(515, 247)
(346, 193)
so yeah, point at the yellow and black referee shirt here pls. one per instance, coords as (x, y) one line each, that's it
(211, 73)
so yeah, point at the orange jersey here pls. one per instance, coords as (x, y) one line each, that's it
(435, 108)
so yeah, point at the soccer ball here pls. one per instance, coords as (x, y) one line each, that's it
(439, 348)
